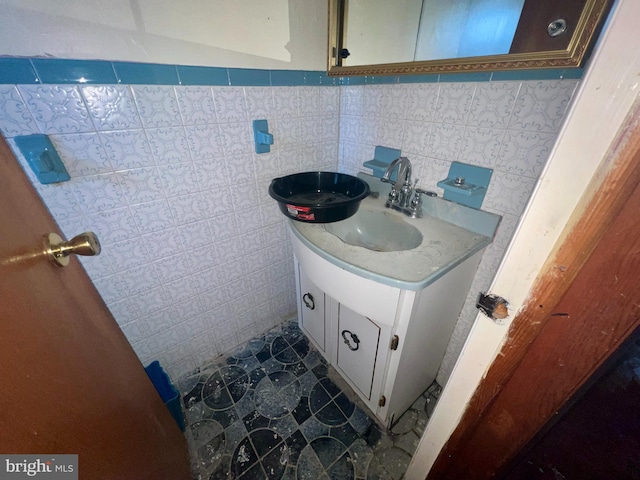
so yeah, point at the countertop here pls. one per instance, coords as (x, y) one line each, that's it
(446, 242)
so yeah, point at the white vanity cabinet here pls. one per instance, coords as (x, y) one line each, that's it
(382, 313)
(311, 308)
(328, 323)
(387, 343)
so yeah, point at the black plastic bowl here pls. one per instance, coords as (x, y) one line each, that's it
(318, 197)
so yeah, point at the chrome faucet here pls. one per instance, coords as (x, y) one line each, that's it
(402, 189)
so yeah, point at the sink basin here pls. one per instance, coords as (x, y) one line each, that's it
(379, 231)
(384, 246)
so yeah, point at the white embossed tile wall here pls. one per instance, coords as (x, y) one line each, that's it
(196, 257)
(508, 126)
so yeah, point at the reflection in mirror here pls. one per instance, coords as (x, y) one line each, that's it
(470, 28)
(422, 36)
(411, 30)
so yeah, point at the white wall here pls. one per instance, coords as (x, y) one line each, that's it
(380, 31)
(467, 28)
(606, 95)
(269, 34)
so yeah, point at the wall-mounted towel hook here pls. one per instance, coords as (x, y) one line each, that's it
(261, 136)
(42, 157)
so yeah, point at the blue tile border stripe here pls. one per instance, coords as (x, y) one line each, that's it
(245, 77)
(61, 71)
(73, 71)
(145, 73)
(202, 75)
(287, 78)
(425, 78)
(546, 74)
(17, 71)
(466, 77)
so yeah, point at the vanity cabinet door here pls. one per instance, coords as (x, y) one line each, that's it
(312, 311)
(357, 348)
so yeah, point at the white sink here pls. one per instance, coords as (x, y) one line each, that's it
(379, 231)
(392, 249)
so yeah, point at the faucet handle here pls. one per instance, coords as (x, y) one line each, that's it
(428, 193)
(416, 201)
(393, 196)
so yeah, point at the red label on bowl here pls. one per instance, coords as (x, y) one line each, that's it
(303, 213)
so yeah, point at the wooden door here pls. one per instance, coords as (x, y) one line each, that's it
(599, 436)
(531, 34)
(71, 384)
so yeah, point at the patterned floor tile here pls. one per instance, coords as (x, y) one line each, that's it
(271, 411)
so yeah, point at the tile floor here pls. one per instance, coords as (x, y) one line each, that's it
(271, 411)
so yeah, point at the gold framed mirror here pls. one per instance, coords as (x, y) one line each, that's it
(535, 45)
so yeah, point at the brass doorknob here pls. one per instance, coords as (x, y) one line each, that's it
(58, 250)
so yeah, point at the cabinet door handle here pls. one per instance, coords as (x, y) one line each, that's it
(354, 337)
(307, 298)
